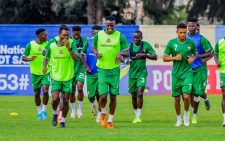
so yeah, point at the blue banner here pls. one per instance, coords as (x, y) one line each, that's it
(15, 78)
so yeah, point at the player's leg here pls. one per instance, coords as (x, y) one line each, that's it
(139, 103)
(223, 105)
(67, 89)
(56, 88)
(73, 99)
(36, 85)
(80, 97)
(91, 90)
(114, 91)
(176, 92)
(99, 107)
(45, 98)
(37, 99)
(205, 96)
(132, 84)
(103, 87)
(65, 109)
(186, 107)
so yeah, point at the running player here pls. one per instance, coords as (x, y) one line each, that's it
(220, 62)
(204, 49)
(79, 70)
(92, 73)
(181, 50)
(107, 45)
(62, 56)
(139, 52)
(33, 54)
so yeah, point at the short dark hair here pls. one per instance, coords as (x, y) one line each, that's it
(138, 32)
(39, 31)
(76, 28)
(182, 25)
(63, 27)
(96, 27)
(110, 18)
(193, 20)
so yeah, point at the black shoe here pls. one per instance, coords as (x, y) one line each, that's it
(62, 125)
(54, 120)
(207, 105)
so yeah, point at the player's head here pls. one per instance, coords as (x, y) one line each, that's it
(64, 32)
(41, 34)
(76, 32)
(137, 37)
(96, 29)
(192, 23)
(181, 31)
(110, 23)
(198, 28)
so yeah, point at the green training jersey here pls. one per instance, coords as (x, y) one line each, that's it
(62, 64)
(187, 49)
(220, 50)
(206, 45)
(138, 66)
(35, 49)
(79, 44)
(109, 46)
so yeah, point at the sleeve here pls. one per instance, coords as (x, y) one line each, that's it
(206, 45)
(149, 49)
(123, 42)
(27, 50)
(48, 52)
(48, 45)
(74, 48)
(168, 49)
(95, 42)
(86, 43)
(217, 48)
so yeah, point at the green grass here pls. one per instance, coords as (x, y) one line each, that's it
(158, 118)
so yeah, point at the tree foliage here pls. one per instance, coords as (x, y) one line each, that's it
(210, 8)
(158, 10)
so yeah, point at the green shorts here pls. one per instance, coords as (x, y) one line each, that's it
(108, 83)
(135, 83)
(63, 86)
(39, 80)
(92, 85)
(205, 78)
(222, 80)
(80, 76)
(199, 81)
(182, 85)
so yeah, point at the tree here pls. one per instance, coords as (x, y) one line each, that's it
(210, 8)
(158, 10)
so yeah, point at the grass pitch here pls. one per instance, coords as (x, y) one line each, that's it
(158, 120)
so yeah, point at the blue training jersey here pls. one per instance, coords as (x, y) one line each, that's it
(91, 58)
(197, 40)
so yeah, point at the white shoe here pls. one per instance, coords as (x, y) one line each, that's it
(223, 123)
(98, 119)
(186, 121)
(72, 116)
(79, 113)
(179, 123)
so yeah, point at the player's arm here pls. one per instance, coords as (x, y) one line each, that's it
(84, 50)
(206, 45)
(150, 52)
(26, 53)
(94, 47)
(72, 50)
(124, 49)
(216, 57)
(167, 52)
(46, 60)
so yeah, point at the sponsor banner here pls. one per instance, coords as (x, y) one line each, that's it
(15, 78)
(159, 80)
